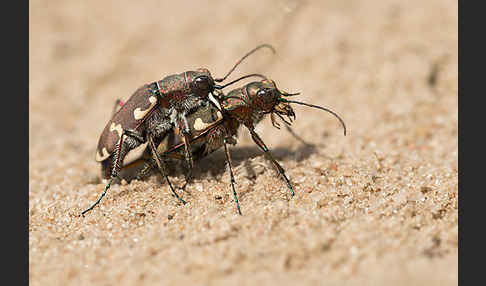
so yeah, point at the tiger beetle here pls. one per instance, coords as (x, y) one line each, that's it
(215, 127)
(150, 113)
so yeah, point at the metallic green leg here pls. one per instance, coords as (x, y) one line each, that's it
(114, 173)
(159, 164)
(228, 159)
(269, 156)
(99, 199)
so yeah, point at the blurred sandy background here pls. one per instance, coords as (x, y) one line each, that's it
(377, 207)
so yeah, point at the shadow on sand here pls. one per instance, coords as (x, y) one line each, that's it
(214, 165)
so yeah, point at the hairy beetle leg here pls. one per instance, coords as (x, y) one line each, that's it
(114, 173)
(186, 138)
(133, 139)
(269, 156)
(135, 135)
(160, 167)
(148, 167)
(189, 161)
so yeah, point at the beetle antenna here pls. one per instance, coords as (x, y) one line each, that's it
(241, 78)
(319, 107)
(244, 57)
(289, 94)
(283, 92)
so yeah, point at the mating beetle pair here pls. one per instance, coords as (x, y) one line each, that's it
(151, 112)
(204, 124)
(246, 106)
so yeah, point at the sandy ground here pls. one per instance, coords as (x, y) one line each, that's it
(377, 207)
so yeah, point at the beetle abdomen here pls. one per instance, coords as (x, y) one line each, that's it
(129, 117)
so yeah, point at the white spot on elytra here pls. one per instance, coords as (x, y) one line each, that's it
(200, 125)
(104, 154)
(138, 113)
(117, 128)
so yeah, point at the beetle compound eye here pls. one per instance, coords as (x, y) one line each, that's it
(266, 94)
(203, 85)
(265, 100)
(262, 93)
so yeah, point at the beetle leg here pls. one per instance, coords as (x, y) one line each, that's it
(269, 156)
(186, 139)
(134, 134)
(228, 159)
(188, 177)
(188, 154)
(150, 163)
(128, 141)
(114, 171)
(186, 136)
(161, 167)
(148, 166)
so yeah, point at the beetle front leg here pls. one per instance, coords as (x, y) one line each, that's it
(161, 167)
(269, 156)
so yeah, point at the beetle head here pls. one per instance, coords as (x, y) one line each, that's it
(202, 83)
(266, 97)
